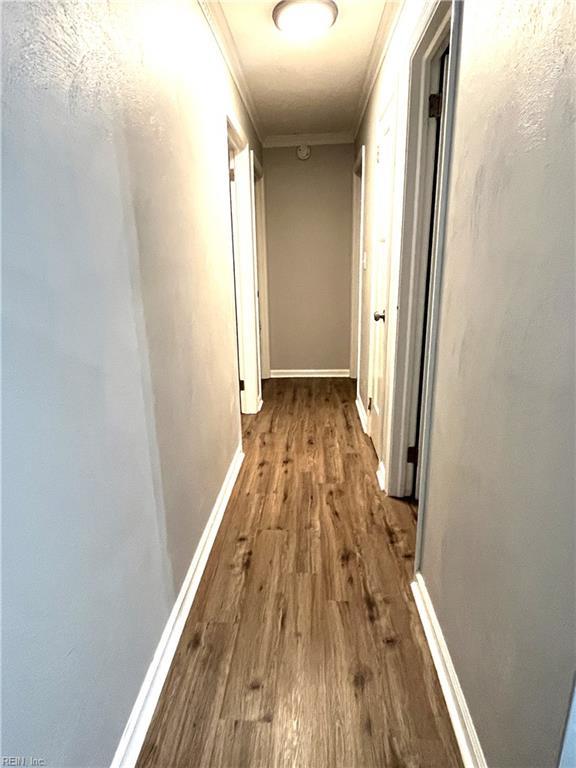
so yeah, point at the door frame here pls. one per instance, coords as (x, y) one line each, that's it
(443, 24)
(262, 261)
(358, 262)
(245, 268)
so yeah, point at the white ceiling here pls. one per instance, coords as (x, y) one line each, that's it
(304, 88)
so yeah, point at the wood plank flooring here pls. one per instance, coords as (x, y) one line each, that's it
(303, 648)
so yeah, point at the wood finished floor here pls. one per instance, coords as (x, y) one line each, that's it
(303, 648)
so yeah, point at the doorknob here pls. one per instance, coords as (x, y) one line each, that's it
(380, 316)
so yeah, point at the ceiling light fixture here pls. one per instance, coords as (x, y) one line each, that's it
(304, 19)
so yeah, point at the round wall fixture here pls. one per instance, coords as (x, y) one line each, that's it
(303, 152)
(305, 18)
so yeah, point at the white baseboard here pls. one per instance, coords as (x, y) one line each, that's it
(362, 414)
(466, 736)
(381, 476)
(139, 721)
(250, 407)
(310, 373)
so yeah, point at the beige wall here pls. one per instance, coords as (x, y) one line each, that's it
(309, 236)
(499, 539)
(498, 544)
(119, 364)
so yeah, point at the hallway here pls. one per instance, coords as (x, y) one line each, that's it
(304, 647)
(270, 268)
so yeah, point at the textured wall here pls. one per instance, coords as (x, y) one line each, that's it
(120, 390)
(309, 235)
(498, 547)
(499, 531)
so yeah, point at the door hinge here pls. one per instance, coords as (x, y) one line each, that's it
(241, 385)
(435, 105)
(412, 454)
(369, 403)
(231, 174)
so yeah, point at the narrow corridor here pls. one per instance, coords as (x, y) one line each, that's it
(268, 269)
(304, 647)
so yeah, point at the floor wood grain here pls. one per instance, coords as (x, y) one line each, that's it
(303, 648)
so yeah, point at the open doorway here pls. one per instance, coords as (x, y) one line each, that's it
(234, 224)
(429, 137)
(358, 265)
(436, 117)
(262, 262)
(242, 210)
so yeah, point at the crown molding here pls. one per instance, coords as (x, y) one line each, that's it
(312, 139)
(378, 52)
(216, 19)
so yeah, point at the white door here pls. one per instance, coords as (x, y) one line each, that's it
(246, 281)
(380, 286)
(256, 292)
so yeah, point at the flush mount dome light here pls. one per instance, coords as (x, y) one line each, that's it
(305, 18)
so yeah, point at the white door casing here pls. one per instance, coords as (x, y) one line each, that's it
(358, 264)
(246, 272)
(262, 261)
(438, 26)
(254, 292)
